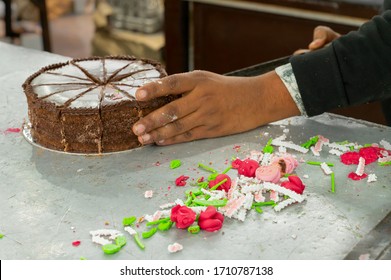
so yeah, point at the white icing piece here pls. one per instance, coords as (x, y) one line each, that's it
(335, 152)
(360, 166)
(289, 145)
(281, 205)
(372, 178)
(326, 169)
(175, 247)
(386, 145)
(130, 230)
(148, 194)
(104, 236)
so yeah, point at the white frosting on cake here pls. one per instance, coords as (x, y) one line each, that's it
(93, 83)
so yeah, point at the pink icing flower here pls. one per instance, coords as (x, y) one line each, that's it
(288, 163)
(182, 216)
(269, 173)
(181, 180)
(246, 167)
(294, 184)
(225, 186)
(210, 219)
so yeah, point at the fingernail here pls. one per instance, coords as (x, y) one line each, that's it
(146, 138)
(141, 94)
(139, 129)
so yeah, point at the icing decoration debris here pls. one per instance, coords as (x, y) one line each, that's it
(289, 145)
(207, 168)
(246, 167)
(360, 166)
(12, 130)
(264, 179)
(182, 216)
(269, 173)
(104, 236)
(268, 149)
(148, 194)
(326, 169)
(130, 230)
(355, 177)
(128, 221)
(372, 178)
(210, 219)
(175, 247)
(150, 233)
(311, 142)
(175, 163)
(111, 248)
(295, 184)
(1, 235)
(76, 243)
(386, 145)
(194, 229)
(222, 182)
(181, 181)
(332, 182)
(138, 241)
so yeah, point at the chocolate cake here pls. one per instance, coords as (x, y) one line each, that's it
(88, 105)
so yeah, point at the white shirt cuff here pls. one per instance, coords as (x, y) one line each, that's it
(285, 72)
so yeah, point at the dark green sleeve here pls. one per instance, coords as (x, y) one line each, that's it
(354, 69)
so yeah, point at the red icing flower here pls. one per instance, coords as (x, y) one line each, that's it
(225, 186)
(182, 216)
(370, 154)
(210, 219)
(354, 176)
(181, 180)
(350, 158)
(294, 184)
(246, 167)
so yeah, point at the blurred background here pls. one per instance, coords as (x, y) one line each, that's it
(215, 35)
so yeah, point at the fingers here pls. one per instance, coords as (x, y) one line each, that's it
(166, 121)
(183, 130)
(301, 51)
(174, 84)
(322, 36)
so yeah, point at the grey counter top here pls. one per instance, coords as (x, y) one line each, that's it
(49, 199)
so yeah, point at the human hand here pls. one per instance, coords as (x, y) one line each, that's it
(212, 105)
(322, 36)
